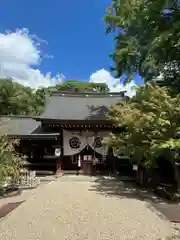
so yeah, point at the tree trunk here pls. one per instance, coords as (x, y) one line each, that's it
(141, 177)
(177, 176)
(114, 165)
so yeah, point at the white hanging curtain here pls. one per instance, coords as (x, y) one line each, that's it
(80, 141)
(102, 148)
(70, 138)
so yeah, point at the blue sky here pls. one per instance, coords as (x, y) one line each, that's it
(74, 31)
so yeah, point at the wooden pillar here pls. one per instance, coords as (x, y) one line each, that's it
(60, 156)
(58, 153)
(59, 167)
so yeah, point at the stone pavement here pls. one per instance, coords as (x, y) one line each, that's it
(78, 208)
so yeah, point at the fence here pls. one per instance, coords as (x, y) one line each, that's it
(28, 179)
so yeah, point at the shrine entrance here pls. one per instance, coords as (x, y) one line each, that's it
(81, 148)
(87, 155)
(86, 164)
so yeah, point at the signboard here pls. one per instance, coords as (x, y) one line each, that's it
(57, 152)
(135, 167)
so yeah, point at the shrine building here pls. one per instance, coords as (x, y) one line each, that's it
(71, 128)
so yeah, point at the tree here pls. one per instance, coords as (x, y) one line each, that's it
(71, 85)
(16, 99)
(80, 86)
(147, 39)
(10, 161)
(151, 121)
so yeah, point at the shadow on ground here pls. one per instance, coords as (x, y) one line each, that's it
(176, 233)
(112, 186)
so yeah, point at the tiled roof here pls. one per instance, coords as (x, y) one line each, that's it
(17, 125)
(80, 106)
(23, 126)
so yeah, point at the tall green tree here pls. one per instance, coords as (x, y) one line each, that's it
(147, 39)
(10, 160)
(71, 85)
(16, 99)
(80, 86)
(151, 121)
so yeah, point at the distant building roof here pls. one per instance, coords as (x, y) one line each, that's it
(79, 106)
(23, 127)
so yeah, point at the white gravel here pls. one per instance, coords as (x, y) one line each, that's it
(68, 209)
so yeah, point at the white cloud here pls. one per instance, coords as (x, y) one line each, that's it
(19, 54)
(114, 84)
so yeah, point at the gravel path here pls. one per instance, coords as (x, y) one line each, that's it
(26, 193)
(74, 208)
